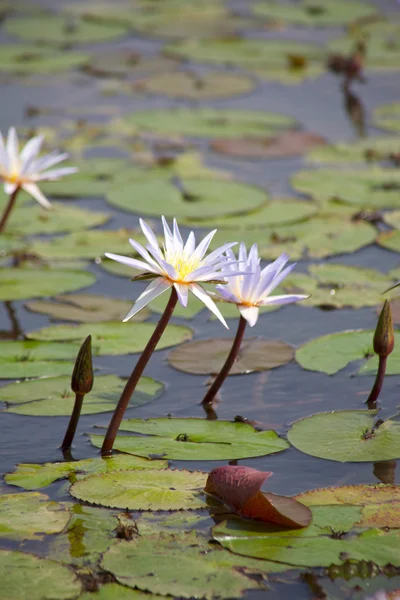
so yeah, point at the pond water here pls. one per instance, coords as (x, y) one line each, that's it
(274, 399)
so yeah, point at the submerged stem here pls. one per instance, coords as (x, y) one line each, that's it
(73, 423)
(132, 382)
(376, 389)
(8, 209)
(232, 356)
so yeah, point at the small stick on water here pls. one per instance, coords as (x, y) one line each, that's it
(133, 380)
(81, 384)
(383, 346)
(232, 356)
(8, 209)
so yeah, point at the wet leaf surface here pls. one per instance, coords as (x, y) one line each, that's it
(387, 116)
(26, 60)
(19, 360)
(369, 150)
(291, 143)
(115, 591)
(316, 14)
(22, 283)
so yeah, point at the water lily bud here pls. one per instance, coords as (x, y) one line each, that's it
(384, 333)
(82, 376)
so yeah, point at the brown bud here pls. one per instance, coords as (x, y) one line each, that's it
(384, 333)
(82, 376)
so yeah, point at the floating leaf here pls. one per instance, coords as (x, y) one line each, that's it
(125, 62)
(195, 86)
(86, 308)
(389, 240)
(114, 591)
(114, 338)
(289, 143)
(362, 151)
(21, 283)
(28, 577)
(208, 122)
(194, 439)
(33, 476)
(36, 359)
(60, 30)
(316, 14)
(29, 516)
(193, 198)
(205, 357)
(239, 488)
(26, 60)
(142, 490)
(387, 116)
(53, 396)
(352, 435)
(9, 244)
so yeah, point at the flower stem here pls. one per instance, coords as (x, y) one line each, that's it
(232, 356)
(380, 376)
(132, 382)
(8, 209)
(73, 422)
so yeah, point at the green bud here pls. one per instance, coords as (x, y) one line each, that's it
(384, 332)
(82, 376)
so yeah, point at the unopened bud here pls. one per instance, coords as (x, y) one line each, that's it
(82, 376)
(384, 333)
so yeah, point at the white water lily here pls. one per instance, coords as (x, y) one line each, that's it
(179, 264)
(22, 170)
(252, 288)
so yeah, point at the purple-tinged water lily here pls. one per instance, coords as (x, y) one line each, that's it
(177, 264)
(252, 289)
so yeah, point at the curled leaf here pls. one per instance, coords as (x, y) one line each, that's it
(240, 489)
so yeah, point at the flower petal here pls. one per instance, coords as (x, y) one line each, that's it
(150, 236)
(131, 262)
(205, 298)
(285, 299)
(203, 246)
(33, 190)
(153, 290)
(30, 151)
(9, 188)
(183, 292)
(54, 174)
(13, 151)
(190, 244)
(47, 161)
(278, 279)
(214, 255)
(4, 162)
(250, 313)
(144, 254)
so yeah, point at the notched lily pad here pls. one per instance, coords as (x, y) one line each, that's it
(206, 357)
(21, 283)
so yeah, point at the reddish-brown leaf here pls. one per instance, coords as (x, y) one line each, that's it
(289, 143)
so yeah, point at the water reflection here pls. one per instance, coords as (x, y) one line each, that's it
(15, 331)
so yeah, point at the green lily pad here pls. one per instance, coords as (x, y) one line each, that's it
(368, 188)
(346, 436)
(9, 244)
(387, 116)
(86, 308)
(194, 439)
(28, 577)
(29, 516)
(53, 396)
(34, 476)
(19, 360)
(206, 571)
(125, 62)
(113, 338)
(316, 238)
(143, 490)
(207, 357)
(28, 60)
(313, 14)
(86, 244)
(392, 218)
(114, 591)
(185, 84)
(61, 30)
(197, 198)
(34, 220)
(389, 240)
(281, 60)
(22, 283)
(208, 122)
(362, 151)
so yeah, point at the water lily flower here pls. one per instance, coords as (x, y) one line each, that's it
(181, 267)
(177, 264)
(22, 170)
(253, 287)
(249, 290)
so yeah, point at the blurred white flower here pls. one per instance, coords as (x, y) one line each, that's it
(179, 264)
(24, 169)
(382, 595)
(252, 288)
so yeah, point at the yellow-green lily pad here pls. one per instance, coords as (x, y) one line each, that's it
(21, 283)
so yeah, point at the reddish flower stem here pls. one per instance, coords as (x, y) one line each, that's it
(132, 382)
(376, 389)
(232, 356)
(73, 423)
(8, 209)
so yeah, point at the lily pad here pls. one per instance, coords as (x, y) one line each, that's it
(9, 244)
(22, 283)
(29, 516)
(372, 188)
(284, 145)
(36, 359)
(194, 439)
(389, 240)
(34, 476)
(28, 577)
(193, 198)
(392, 218)
(195, 86)
(142, 490)
(207, 357)
(347, 436)
(311, 13)
(34, 220)
(387, 116)
(209, 122)
(28, 60)
(115, 591)
(125, 62)
(86, 308)
(113, 338)
(362, 151)
(53, 396)
(61, 30)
